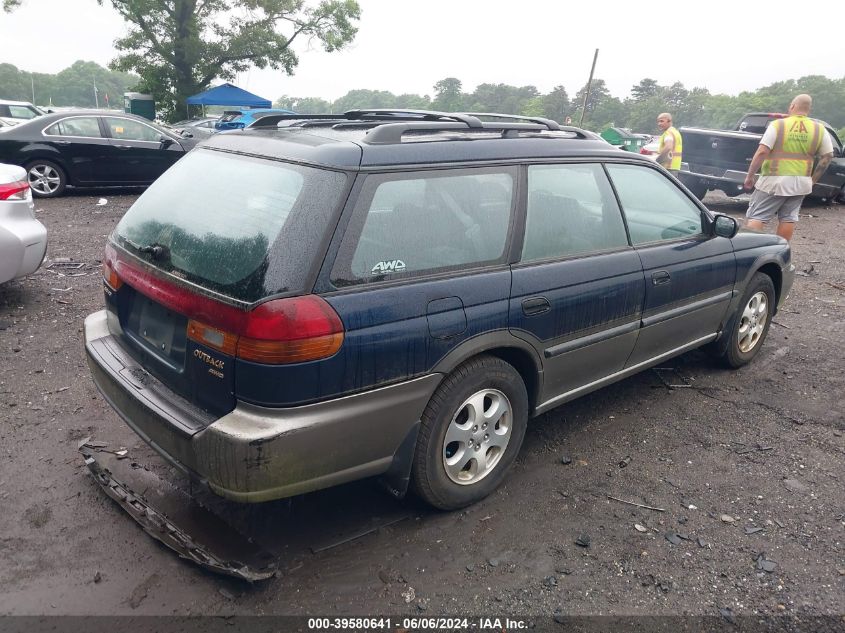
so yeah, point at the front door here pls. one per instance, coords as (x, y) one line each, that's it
(689, 274)
(138, 153)
(578, 287)
(82, 146)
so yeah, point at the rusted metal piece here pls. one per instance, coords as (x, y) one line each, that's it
(208, 542)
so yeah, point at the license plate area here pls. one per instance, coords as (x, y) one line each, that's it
(158, 330)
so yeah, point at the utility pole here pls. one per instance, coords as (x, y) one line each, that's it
(96, 96)
(587, 93)
(32, 80)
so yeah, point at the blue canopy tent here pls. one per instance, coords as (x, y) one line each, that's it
(228, 95)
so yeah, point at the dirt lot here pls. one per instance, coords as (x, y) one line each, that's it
(732, 452)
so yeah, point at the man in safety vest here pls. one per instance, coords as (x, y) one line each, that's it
(671, 147)
(786, 154)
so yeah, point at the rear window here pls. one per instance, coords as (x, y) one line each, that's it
(244, 227)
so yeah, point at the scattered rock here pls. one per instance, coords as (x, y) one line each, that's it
(384, 576)
(793, 485)
(702, 543)
(583, 540)
(673, 538)
(753, 530)
(764, 564)
(625, 461)
(98, 577)
(470, 567)
(493, 562)
(409, 594)
(640, 528)
(559, 616)
(728, 615)
(550, 581)
(682, 520)
(226, 593)
(565, 460)
(38, 515)
(727, 518)
(562, 570)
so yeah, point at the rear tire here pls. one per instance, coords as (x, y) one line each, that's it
(470, 433)
(751, 325)
(46, 178)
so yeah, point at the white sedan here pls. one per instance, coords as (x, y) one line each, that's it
(23, 239)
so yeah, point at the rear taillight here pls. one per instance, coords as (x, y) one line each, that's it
(18, 190)
(281, 331)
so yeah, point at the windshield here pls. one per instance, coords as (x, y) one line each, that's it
(244, 227)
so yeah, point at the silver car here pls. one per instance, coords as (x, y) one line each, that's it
(23, 239)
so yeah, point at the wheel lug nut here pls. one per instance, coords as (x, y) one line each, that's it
(486, 437)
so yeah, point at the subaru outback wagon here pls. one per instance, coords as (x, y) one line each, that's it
(395, 294)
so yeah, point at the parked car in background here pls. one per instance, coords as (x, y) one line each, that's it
(195, 128)
(90, 148)
(396, 293)
(239, 119)
(14, 112)
(23, 239)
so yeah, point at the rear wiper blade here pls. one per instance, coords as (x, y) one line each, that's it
(155, 250)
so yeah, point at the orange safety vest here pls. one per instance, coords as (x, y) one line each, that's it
(674, 160)
(797, 141)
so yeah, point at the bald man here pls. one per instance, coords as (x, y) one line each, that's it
(785, 158)
(671, 145)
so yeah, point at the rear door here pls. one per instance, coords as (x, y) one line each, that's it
(578, 288)
(689, 274)
(139, 157)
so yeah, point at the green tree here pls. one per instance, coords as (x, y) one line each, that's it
(448, 96)
(304, 105)
(179, 46)
(361, 99)
(646, 89)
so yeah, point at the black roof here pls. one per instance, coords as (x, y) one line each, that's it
(380, 138)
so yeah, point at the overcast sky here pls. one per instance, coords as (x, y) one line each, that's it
(407, 46)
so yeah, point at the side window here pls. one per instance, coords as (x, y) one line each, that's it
(85, 126)
(414, 224)
(129, 130)
(22, 112)
(653, 205)
(571, 211)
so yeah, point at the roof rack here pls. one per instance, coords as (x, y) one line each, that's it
(388, 126)
(551, 125)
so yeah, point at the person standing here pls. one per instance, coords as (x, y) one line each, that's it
(785, 158)
(670, 150)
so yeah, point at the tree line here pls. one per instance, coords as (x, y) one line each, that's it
(689, 107)
(74, 86)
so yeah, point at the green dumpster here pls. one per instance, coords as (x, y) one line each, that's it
(140, 104)
(624, 139)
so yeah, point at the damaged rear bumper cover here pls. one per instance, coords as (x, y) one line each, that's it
(253, 453)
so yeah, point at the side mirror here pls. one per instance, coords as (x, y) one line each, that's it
(725, 226)
(166, 141)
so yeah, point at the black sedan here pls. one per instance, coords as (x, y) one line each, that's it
(90, 148)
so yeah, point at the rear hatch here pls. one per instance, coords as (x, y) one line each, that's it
(213, 242)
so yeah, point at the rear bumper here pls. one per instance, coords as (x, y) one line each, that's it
(23, 244)
(253, 453)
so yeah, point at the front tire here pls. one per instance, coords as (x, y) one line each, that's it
(471, 432)
(751, 325)
(46, 178)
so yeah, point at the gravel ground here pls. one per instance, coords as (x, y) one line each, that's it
(747, 466)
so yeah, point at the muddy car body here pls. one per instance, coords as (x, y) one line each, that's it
(395, 294)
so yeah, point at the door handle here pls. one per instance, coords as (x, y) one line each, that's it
(62, 142)
(535, 305)
(661, 277)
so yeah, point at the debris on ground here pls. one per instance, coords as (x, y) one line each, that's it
(565, 460)
(793, 485)
(583, 540)
(639, 505)
(727, 518)
(102, 202)
(640, 528)
(753, 530)
(673, 538)
(764, 564)
(625, 461)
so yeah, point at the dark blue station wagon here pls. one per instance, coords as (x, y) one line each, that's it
(397, 293)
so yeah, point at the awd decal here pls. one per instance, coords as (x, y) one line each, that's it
(392, 266)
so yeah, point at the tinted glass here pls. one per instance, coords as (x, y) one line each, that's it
(77, 126)
(416, 224)
(653, 205)
(243, 227)
(129, 130)
(22, 112)
(571, 211)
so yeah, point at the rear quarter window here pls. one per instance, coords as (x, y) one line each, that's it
(415, 224)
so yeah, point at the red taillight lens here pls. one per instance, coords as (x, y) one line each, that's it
(17, 190)
(292, 330)
(109, 274)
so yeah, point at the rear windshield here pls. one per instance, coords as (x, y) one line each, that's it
(244, 227)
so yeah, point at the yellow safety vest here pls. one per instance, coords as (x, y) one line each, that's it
(674, 161)
(797, 142)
